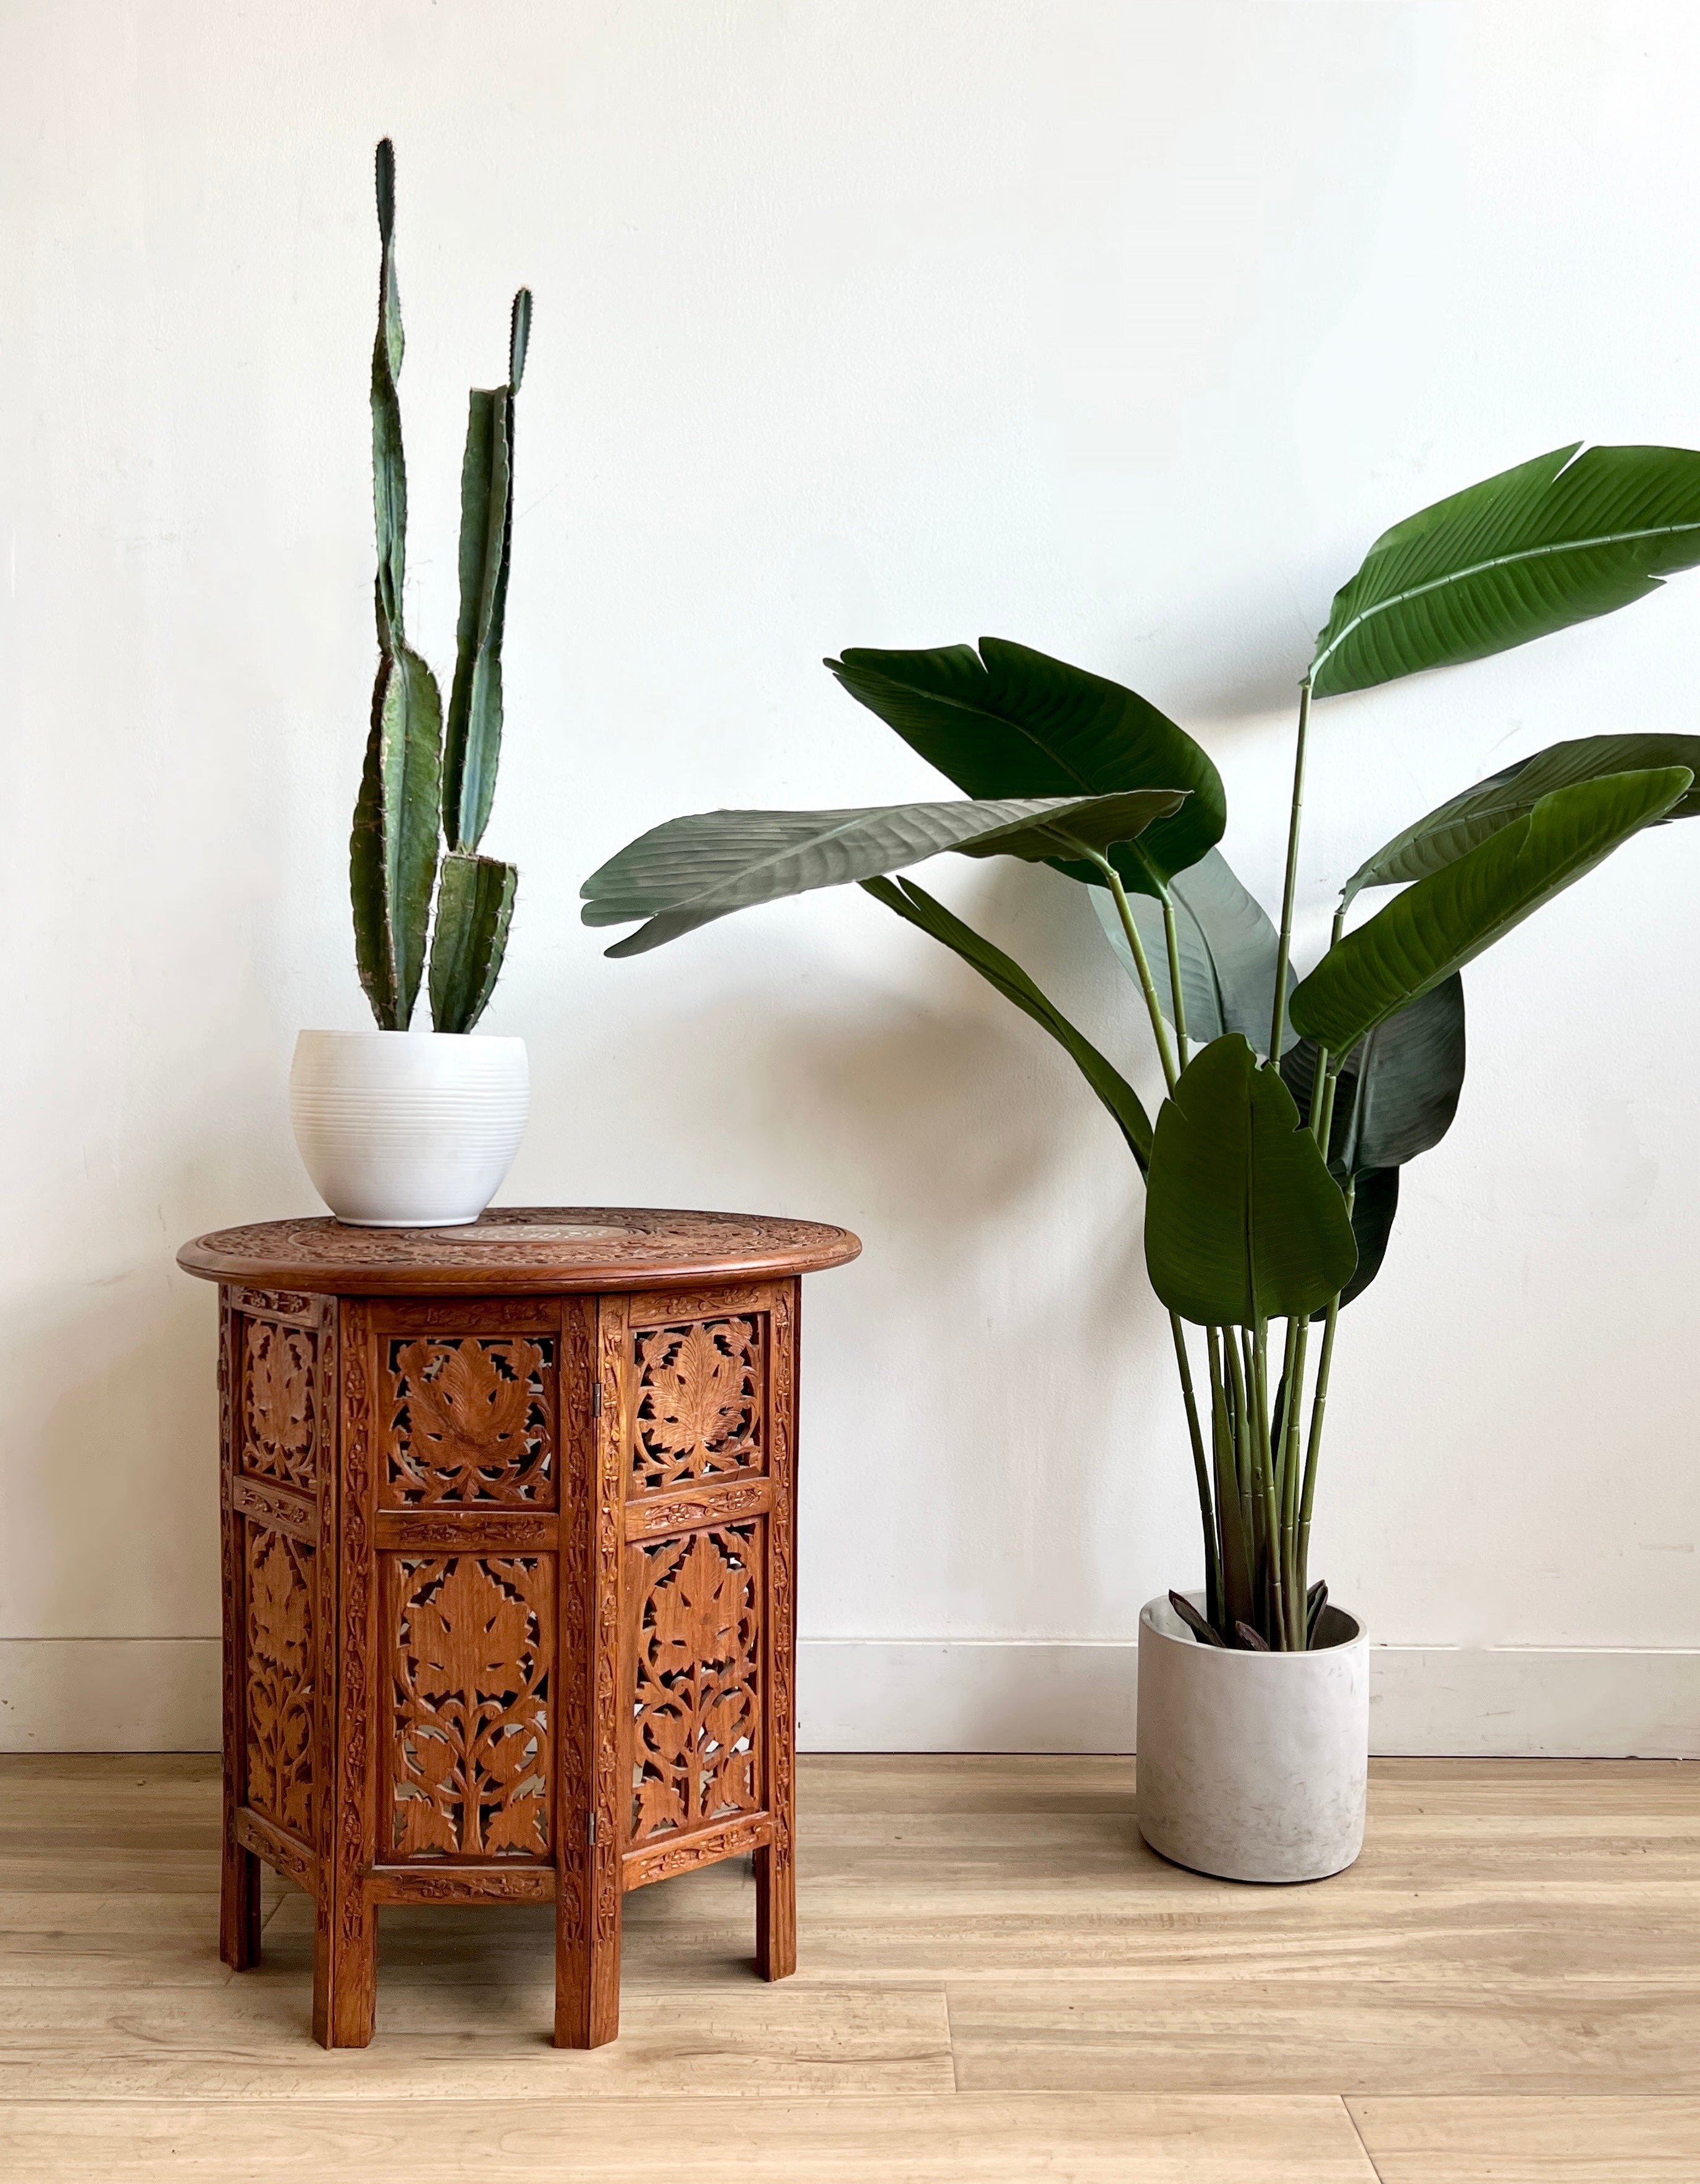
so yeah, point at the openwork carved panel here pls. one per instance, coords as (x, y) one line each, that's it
(696, 1705)
(472, 1644)
(698, 1401)
(472, 1419)
(280, 1678)
(279, 1405)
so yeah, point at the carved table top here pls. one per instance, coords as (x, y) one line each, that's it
(530, 1250)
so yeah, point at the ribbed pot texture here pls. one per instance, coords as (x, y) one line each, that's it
(1253, 1766)
(408, 1129)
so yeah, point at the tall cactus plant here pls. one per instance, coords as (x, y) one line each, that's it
(426, 790)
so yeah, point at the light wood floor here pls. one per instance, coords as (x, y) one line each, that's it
(997, 1981)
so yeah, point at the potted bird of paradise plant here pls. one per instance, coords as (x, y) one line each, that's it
(1271, 1169)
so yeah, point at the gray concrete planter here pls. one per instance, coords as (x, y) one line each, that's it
(1253, 1766)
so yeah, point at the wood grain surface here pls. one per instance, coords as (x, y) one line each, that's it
(995, 1982)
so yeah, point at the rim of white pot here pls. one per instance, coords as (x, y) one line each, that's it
(483, 1037)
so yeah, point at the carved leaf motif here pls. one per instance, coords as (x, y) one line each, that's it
(698, 1406)
(277, 1401)
(697, 1701)
(472, 1648)
(280, 1679)
(473, 1420)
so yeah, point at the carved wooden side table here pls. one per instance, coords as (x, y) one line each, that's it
(508, 1575)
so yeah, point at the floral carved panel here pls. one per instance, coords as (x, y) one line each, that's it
(696, 1700)
(471, 1652)
(278, 1410)
(697, 1404)
(471, 1419)
(279, 1693)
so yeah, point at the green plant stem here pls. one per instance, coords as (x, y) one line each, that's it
(1266, 1485)
(1233, 1351)
(1147, 984)
(1318, 1407)
(1212, 1562)
(1172, 940)
(1278, 1020)
(1292, 1582)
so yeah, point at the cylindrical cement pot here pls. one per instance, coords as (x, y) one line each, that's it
(1253, 1766)
(408, 1129)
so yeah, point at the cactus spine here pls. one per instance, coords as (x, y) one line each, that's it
(419, 790)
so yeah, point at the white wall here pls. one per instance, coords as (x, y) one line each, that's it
(1119, 329)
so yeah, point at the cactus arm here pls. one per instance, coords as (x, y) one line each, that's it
(389, 470)
(393, 851)
(474, 907)
(474, 738)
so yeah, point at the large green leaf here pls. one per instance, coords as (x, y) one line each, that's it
(1442, 922)
(1008, 721)
(1396, 1098)
(1243, 1220)
(1553, 541)
(1375, 1200)
(1456, 826)
(1007, 975)
(1399, 1089)
(392, 850)
(475, 907)
(1227, 951)
(389, 471)
(692, 870)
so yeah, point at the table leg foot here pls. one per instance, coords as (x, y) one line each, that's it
(586, 1968)
(345, 1978)
(239, 1908)
(776, 1911)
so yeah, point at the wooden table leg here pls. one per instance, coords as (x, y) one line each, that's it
(587, 1959)
(345, 1974)
(776, 1911)
(238, 1900)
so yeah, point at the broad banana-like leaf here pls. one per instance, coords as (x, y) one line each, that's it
(1243, 1220)
(1556, 541)
(475, 907)
(693, 870)
(389, 471)
(392, 850)
(1444, 922)
(1009, 721)
(1399, 1089)
(472, 734)
(1456, 826)
(1375, 1200)
(1396, 1098)
(1007, 975)
(1227, 951)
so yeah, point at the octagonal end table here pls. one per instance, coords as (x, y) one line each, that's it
(508, 1561)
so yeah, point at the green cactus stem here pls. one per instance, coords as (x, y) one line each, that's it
(475, 905)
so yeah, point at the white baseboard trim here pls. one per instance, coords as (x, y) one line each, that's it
(999, 1694)
(109, 1694)
(972, 1695)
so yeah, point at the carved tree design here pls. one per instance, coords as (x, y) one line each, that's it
(277, 1406)
(697, 1703)
(699, 1408)
(470, 1653)
(473, 1421)
(280, 1678)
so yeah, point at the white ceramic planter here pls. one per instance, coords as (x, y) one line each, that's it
(1252, 1766)
(408, 1129)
